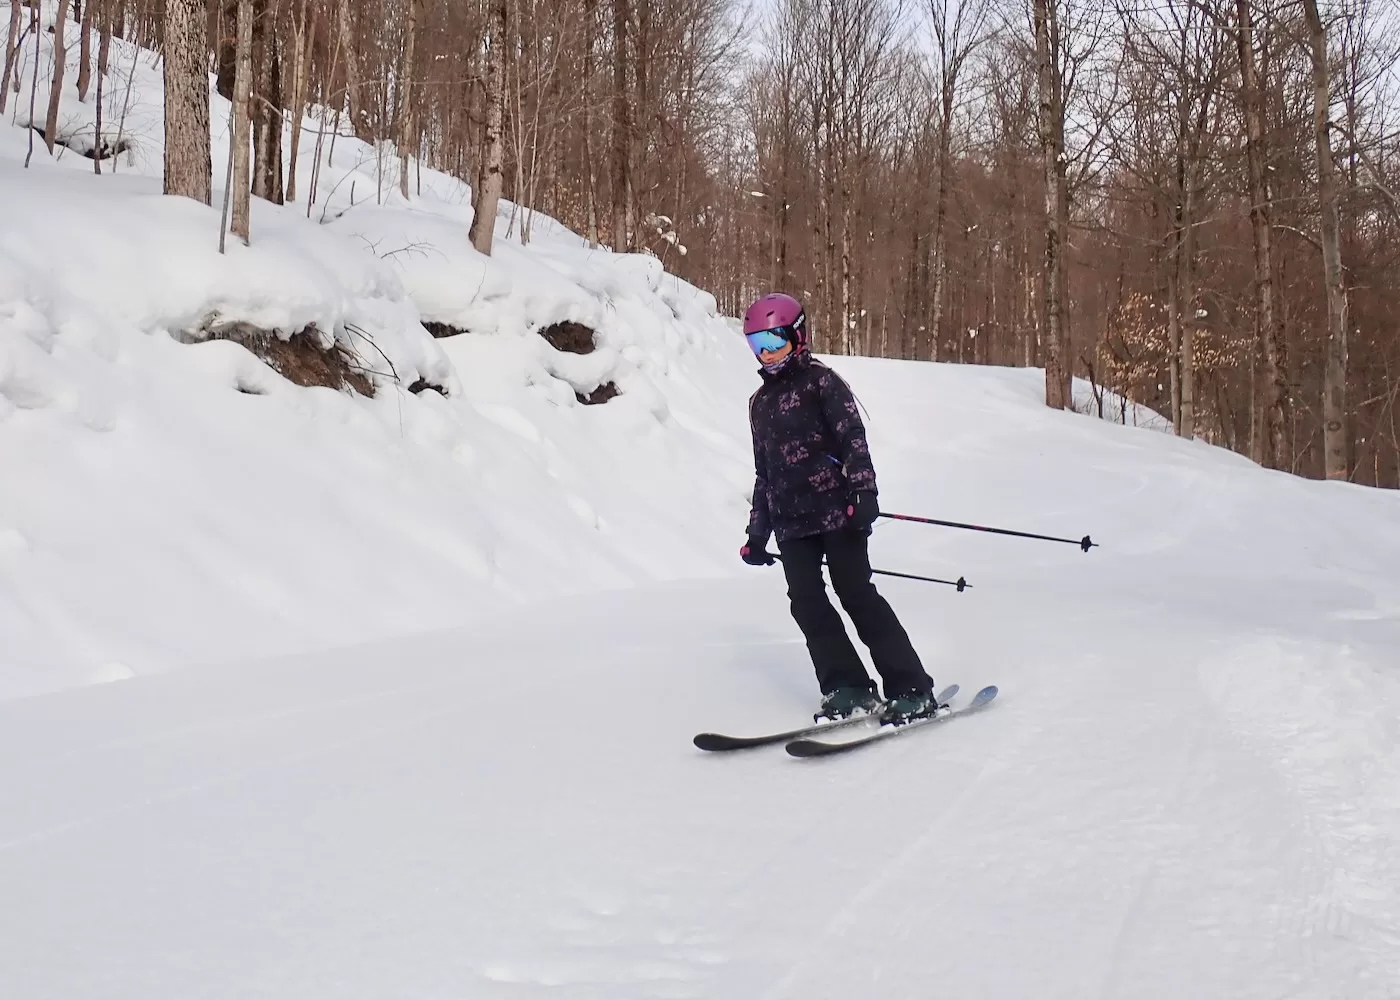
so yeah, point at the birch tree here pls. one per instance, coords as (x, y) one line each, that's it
(486, 193)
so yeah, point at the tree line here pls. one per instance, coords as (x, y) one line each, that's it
(1187, 204)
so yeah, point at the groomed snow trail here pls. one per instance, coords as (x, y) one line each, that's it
(514, 810)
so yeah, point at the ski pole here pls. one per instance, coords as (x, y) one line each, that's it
(1085, 543)
(960, 583)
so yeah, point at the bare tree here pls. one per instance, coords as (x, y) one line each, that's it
(266, 102)
(404, 95)
(1175, 58)
(187, 156)
(84, 50)
(590, 25)
(1052, 153)
(350, 52)
(1334, 415)
(957, 32)
(486, 192)
(1274, 389)
(624, 217)
(60, 54)
(12, 44)
(104, 20)
(303, 40)
(242, 121)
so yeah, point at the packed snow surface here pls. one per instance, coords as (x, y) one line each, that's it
(1188, 787)
(304, 695)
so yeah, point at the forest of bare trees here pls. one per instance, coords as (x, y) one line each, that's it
(1192, 204)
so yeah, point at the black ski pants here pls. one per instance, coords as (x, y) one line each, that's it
(833, 655)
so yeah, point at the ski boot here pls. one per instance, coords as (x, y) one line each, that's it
(844, 702)
(908, 706)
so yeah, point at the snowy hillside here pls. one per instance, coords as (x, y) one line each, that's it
(169, 500)
(449, 649)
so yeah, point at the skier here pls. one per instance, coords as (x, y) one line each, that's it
(814, 489)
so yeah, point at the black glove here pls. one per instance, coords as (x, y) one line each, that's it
(862, 511)
(755, 552)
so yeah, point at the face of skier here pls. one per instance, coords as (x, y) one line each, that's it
(769, 357)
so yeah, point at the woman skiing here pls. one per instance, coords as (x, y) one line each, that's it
(814, 490)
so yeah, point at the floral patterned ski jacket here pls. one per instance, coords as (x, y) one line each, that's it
(810, 454)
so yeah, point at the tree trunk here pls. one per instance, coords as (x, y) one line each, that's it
(104, 19)
(267, 104)
(1334, 413)
(623, 217)
(352, 70)
(226, 47)
(639, 116)
(11, 51)
(1186, 293)
(848, 317)
(486, 193)
(1273, 390)
(590, 15)
(1051, 123)
(1190, 153)
(60, 55)
(104, 42)
(242, 121)
(188, 166)
(84, 52)
(1174, 320)
(405, 93)
(303, 39)
(940, 216)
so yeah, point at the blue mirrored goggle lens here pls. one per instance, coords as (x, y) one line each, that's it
(767, 340)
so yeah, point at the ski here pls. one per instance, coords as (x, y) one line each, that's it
(720, 742)
(803, 747)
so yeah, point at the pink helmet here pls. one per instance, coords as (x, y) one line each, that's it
(780, 313)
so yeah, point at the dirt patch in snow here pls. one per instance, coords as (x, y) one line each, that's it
(602, 394)
(569, 337)
(423, 384)
(442, 329)
(575, 338)
(300, 359)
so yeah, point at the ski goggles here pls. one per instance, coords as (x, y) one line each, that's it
(769, 340)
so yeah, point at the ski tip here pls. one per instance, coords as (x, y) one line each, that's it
(985, 695)
(712, 741)
(808, 748)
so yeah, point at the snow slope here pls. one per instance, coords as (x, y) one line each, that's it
(1188, 788)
